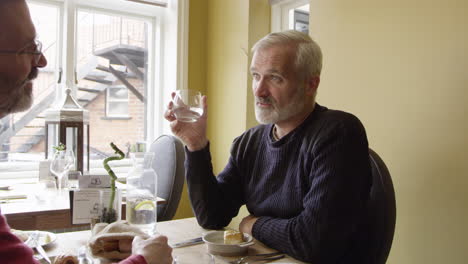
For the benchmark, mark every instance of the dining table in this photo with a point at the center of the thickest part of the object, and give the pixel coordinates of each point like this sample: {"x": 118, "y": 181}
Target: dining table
{"x": 176, "y": 231}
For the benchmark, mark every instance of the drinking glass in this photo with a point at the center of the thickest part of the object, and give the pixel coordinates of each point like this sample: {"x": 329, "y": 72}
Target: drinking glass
{"x": 187, "y": 105}
{"x": 61, "y": 163}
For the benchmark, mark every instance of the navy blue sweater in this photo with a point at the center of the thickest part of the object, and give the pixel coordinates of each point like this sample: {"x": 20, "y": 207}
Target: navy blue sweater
{"x": 310, "y": 188}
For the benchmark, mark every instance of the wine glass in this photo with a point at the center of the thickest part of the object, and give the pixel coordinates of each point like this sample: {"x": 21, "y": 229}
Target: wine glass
{"x": 187, "y": 105}
{"x": 61, "y": 163}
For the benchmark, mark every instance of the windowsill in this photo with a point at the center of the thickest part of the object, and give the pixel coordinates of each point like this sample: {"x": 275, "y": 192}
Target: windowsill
{"x": 115, "y": 118}
{"x": 21, "y": 171}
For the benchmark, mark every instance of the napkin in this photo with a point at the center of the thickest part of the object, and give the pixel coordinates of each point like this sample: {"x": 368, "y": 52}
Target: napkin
{"x": 113, "y": 241}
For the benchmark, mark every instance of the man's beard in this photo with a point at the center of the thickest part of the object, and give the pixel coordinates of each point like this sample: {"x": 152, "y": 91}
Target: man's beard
{"x": 275, "y": 114}
{"x": 19, "y": 97}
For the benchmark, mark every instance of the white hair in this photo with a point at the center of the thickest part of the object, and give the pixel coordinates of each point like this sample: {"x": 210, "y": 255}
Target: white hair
{"x": 308, "y": 61}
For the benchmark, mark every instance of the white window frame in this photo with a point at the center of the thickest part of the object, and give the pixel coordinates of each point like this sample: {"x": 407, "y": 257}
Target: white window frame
{"x": 280, "y": 12}
{"x": 115, "y": 100}
{"x": 167, "y": 65}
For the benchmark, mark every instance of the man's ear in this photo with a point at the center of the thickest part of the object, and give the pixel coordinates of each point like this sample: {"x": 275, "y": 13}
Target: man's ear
{"x": 312, "y": 85}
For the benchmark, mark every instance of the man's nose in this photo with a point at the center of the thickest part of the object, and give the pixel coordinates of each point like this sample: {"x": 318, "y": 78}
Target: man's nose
{"x": 261, "y": 89}
{"x": 42, "y": 62}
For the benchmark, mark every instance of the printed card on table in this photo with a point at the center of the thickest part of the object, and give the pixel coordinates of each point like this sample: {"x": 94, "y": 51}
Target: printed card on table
{"x": 85, "y": 205}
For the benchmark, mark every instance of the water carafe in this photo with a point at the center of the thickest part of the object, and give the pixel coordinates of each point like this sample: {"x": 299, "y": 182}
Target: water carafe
{"x": 141, "y": 198}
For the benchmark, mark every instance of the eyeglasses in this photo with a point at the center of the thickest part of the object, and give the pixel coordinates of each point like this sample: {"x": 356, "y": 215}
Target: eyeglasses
{"x": 34, "y": 48}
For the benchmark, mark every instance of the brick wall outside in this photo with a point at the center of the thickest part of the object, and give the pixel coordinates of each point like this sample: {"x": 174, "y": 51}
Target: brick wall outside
{"x": 103, "y": 131}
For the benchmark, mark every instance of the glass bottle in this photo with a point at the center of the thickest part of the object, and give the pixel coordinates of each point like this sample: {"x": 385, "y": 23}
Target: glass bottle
{"x": 141, "y": 208}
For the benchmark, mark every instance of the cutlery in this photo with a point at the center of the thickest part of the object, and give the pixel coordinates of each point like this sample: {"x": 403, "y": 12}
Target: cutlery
{"x": 34, "y": 242}
{"x": 264, "y": 259}
{"x": 41, "y": 251}
{"x": 189, "y": 242}
{"x": 211, "y": 261}
{"x": 256, "y": 256}
{"x": 28, "y": 241}
{"x": 13, "y": 197}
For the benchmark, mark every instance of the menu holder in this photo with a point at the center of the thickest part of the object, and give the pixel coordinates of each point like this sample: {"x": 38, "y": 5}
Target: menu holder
{"x": 84, "y": 205}
{"x": 94, "y": 181}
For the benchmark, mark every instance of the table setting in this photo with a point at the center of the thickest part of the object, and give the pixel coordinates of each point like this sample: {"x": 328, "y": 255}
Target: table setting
{"x": 188, "y": 239}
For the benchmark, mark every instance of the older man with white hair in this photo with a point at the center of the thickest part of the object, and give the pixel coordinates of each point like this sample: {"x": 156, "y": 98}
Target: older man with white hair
{"x": 20, "y": 57}
{"x": 304, "y": 173}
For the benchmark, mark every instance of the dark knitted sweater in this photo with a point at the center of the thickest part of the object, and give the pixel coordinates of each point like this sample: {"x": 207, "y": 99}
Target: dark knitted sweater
{"x": 310, "y": 188}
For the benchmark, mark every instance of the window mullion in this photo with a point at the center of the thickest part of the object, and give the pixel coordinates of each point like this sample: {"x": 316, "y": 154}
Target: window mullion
{"x": 69, "y": 53}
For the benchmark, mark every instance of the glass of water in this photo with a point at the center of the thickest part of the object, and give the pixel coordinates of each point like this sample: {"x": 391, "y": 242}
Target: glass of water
{"x": 187, "y": 105}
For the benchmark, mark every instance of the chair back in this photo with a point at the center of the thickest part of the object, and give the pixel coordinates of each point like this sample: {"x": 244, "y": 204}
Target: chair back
{"x": 169, "y": 156}
{"x": 382, "y": 208}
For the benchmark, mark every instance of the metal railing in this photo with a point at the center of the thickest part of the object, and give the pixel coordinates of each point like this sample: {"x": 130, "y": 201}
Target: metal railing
{"x": 118, "y": 31}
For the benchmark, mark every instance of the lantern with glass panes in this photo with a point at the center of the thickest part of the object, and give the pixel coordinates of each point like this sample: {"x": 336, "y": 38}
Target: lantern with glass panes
{"x": 69, "y": 125}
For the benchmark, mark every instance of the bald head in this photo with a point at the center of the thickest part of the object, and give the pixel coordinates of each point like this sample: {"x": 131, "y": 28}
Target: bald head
{"x": 13, "y": 15}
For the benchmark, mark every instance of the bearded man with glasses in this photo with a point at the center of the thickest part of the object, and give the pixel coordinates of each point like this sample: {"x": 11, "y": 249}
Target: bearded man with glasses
{"x": 20, "y": 58}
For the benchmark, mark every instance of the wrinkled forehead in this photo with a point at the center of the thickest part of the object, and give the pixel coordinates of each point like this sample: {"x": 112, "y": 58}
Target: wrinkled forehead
{"x": 16, "y": 27}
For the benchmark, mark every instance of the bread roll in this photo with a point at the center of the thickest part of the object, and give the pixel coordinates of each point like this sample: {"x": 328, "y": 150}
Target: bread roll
{"x": 66, "y": 259}
{"x": 232, "y": 237}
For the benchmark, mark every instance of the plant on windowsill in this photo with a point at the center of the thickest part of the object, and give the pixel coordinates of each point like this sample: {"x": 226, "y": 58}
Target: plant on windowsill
{"x": 109, "y": 213}
{"x": 60, "y": 147}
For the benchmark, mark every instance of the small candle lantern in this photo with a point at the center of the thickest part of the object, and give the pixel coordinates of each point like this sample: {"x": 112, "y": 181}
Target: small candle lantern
{"x": 69, "y": 125}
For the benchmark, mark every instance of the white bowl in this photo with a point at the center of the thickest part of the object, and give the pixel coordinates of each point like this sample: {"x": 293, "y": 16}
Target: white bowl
{"x": 215, "y": 244}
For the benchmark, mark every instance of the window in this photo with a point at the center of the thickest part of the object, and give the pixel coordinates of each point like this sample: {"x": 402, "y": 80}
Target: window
{"x": 112, "y": 54}
{"x": 117, "y": 102}
{"x": 112, "y": 67}
{"x": 290, "y": 14}
{"x": 299, "y": 19}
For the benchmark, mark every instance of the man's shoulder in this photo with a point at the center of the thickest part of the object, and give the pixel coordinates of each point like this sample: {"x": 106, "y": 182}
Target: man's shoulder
{"x": 333, "y": 117}
{"x": 337, "y": 123}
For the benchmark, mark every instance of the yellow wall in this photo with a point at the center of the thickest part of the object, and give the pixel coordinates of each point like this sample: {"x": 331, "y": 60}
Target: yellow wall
{"x": 402, "y": 67}
{"x": 227, "y": 75}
